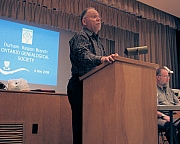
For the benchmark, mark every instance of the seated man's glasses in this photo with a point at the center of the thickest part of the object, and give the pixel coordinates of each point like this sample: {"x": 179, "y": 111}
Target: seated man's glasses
{"x": 164, "y": 76}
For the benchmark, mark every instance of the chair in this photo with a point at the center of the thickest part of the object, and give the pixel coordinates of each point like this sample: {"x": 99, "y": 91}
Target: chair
{"x": 161, "y": 132}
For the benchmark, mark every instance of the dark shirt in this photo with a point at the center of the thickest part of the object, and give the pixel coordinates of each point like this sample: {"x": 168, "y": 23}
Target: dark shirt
{"x": 86, "y": 51}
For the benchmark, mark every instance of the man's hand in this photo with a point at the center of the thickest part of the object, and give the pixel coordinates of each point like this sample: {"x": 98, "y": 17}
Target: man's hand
{"x": 167, "y": 118}
{"x": 109, "y": 58}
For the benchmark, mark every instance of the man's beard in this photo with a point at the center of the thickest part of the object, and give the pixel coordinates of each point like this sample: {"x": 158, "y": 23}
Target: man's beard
{"x": 165, "y": 85}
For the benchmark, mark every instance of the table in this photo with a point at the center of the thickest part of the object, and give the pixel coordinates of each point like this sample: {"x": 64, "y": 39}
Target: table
{"x": 170, "y": 108}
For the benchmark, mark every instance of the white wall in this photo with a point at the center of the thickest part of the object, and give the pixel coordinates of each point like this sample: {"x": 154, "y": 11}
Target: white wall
{"x": 169, "y": 6}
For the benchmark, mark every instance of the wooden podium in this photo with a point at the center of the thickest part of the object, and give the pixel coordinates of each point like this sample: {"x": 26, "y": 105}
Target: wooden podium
{"x": 119, "y": 103}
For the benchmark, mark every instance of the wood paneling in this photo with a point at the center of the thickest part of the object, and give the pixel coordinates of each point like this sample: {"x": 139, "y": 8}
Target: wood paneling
{"x": 51, "y": 112}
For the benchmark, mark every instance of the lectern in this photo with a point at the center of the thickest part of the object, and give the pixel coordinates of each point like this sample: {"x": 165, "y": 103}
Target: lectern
{"x": 119, "y": 103}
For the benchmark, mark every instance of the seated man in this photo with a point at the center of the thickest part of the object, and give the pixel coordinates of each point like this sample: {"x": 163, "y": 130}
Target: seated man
{"x": 166, "y": 96}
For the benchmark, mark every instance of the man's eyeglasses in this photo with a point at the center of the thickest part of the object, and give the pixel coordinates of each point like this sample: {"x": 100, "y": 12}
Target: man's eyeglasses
{"x": 164, "y": 76}
{"x": 94, "y": 17}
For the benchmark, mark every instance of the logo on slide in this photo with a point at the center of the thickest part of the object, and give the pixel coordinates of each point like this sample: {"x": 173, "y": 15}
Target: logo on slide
{"x": 6, "y": 65}
{"x": 6, "y": 69}
{"x": 27, "y": 36}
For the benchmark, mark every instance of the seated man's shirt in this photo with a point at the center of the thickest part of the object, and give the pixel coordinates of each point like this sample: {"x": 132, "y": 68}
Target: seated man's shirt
{"x": 166, "y": 96}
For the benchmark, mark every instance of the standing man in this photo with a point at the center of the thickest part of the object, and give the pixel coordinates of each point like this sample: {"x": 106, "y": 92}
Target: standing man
{"x": 86, "y": 52}
{"x": 166, "y": 96}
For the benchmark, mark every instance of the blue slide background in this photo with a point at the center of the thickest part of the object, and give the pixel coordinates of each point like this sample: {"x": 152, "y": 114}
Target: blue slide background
{"x": 40, "y": 70}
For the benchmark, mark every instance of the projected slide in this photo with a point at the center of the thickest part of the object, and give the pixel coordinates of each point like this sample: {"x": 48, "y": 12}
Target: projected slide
{"x": 28, "y": 52}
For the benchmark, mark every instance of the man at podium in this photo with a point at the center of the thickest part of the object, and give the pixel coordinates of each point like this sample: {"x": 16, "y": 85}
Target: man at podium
{"x": 86, "y": 52}
{"x": 166, "y": 96}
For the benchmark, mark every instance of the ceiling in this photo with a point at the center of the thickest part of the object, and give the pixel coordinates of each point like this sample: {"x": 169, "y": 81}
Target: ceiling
{"x": 169, "y": 6}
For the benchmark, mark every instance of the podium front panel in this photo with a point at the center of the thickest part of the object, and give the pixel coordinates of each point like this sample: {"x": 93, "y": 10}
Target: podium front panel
{"x": 119, "y": 105}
